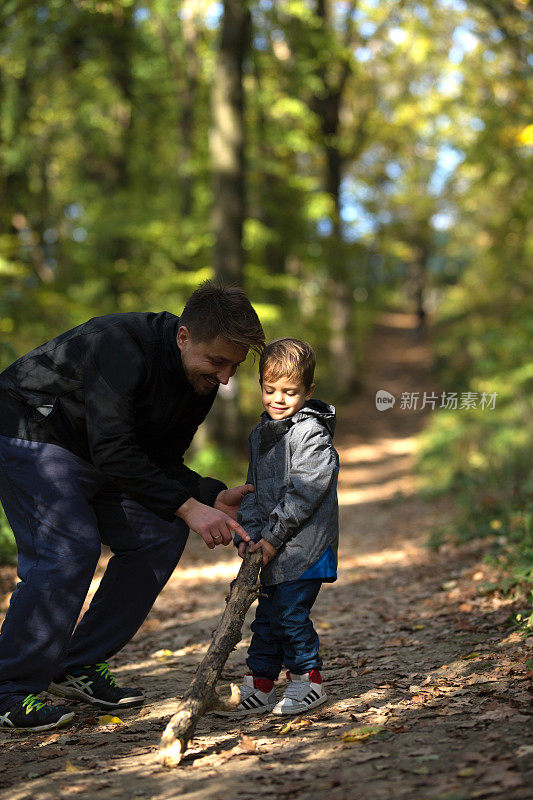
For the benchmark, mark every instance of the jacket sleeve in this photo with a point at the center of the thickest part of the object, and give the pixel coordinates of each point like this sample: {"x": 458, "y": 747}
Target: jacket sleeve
{"x": 314, "y": 465}
{"x": 249, "y": 516}
{"x": 115, "y": 369}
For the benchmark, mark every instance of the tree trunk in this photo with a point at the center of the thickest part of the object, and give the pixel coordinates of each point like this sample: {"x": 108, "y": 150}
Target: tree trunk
{"x": 340, "y": 300}
{"x": 227, "y": 143}
{"x": 227, "y": 158}
{"x": 201, "y": 695}
{"x": 416, "y": 287}
{"x": 189, "y": 99}
{"x": 185, "y": 68}
{"x": 327, "y": 106}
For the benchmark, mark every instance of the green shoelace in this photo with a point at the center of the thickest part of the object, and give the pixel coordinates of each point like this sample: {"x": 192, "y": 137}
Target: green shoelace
{"x": 103, "y": 668}
{"x": 32, "y": 702}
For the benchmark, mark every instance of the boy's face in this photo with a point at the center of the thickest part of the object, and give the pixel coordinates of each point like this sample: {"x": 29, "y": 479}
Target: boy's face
{"x": 285, "y": 396}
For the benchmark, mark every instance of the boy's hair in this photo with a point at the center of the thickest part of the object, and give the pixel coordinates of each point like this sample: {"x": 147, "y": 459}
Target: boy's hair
{"x": 288, "y": 357}
{"x": 225, "y": 311}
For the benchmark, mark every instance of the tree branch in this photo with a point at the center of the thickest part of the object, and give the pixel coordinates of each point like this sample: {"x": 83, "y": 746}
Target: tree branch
{"x": 201, "y": 695}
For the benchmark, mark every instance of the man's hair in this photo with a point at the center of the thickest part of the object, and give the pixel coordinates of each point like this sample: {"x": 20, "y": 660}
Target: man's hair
{"x": 225, "y": 311}
{"x": 288, "y": 358}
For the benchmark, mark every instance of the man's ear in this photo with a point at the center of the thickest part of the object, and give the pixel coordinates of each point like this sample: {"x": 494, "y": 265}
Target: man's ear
{"x": 309, "y": 393}
{"x": 183, "y": 336}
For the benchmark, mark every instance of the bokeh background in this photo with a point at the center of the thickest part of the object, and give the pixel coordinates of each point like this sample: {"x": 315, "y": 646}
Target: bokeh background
{"x": 335, "y": 159}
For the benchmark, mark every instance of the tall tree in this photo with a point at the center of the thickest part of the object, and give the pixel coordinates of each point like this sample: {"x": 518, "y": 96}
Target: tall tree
{"x": 227, "y": 141}
{"x": 228, "y": 180}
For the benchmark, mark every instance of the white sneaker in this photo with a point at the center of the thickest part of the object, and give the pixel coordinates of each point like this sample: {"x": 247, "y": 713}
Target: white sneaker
{"x": 301, "y": 693}
{"x": 253, "y": 699}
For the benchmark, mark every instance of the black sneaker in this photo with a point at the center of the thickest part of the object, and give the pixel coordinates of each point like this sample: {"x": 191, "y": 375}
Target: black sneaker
{"x": 31, "y": 714}
{"x": 96, "y": 685}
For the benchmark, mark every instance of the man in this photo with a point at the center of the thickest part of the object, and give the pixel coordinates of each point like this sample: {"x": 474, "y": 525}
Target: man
{"x": 93, "y": 428}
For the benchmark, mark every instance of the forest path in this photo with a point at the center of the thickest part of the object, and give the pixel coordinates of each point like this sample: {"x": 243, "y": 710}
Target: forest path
{"x": 414, "y": 651}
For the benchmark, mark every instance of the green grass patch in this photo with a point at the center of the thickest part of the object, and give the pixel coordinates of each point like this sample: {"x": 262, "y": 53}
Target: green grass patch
{"x": 483, "y": 456}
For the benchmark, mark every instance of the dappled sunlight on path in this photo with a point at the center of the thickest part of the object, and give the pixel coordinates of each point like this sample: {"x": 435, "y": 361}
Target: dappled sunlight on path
{"x": 427, "y": 688}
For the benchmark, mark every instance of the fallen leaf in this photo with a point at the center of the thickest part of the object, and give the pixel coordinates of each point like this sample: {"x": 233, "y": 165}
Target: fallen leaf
{"x": 421, "y": 770}
{"x": 54, "y": 752}
{"x": 360, "y": 734}
{"x": 247, "y": 744}
{"x": 447, "y": 585}
{"x": 109, "y": 719}
{"x": 162, "y": 655}
{"x": 291, "y": 726}
{"x": 498, "y": 713}
{"x": 364, "y": 756}
{"x": 70, "y": 767}
{"x": 466, "y": 772}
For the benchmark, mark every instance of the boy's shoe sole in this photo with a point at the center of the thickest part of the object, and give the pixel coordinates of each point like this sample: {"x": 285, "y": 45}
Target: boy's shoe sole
{"x": 245, "y": 712}
{"x": 253, "y": 699}
{"x": 78, "y": 694}
{"x": 286, "y": 711}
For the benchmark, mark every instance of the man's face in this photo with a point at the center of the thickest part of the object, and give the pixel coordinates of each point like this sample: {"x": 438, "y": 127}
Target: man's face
{"x": 284, "y": 397}
{"x": 207, "y": 364}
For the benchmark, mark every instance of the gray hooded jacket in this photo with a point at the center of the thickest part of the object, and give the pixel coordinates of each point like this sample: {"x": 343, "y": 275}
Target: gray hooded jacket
{"x": 294, "y": 468}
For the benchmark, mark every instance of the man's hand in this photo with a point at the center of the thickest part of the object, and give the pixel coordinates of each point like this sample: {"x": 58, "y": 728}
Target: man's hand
{"x": 212, "y": 524}
{"x": 269, "y": 551}
{"x": 229, "y": 500}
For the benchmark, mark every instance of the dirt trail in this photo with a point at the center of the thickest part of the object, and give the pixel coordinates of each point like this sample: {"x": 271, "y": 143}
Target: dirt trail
{"x": 414, "y": 653}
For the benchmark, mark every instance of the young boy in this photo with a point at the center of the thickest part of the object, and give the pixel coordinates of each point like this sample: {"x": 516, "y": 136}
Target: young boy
{"x": 293, "y": 518}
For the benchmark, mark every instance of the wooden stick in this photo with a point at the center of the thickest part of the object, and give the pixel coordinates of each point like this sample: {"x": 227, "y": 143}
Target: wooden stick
{"x": 201, "y": 695}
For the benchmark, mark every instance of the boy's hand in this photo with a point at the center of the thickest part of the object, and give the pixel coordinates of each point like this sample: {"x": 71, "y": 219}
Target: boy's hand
{"x": 229, "y": 500}
{"x": 241, "y": 549}
{"x": 269, "y": 551}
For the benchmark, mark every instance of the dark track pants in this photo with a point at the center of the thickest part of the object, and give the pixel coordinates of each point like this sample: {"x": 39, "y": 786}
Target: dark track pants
{"x": 61, "y": 509}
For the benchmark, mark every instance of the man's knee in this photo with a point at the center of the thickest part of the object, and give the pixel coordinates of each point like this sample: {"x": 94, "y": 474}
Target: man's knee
{"x": 157, "y": 556}
{"x": 173, "y": 546}
{"x": 78, "y": 564}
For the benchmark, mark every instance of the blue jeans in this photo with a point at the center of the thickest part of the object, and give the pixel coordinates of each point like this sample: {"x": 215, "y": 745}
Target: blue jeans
{"x": 61, "y": 509}
{"x": 282, "y": 630}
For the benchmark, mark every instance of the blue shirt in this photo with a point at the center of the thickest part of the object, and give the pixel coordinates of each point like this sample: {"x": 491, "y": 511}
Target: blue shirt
{"x": 324, "y": 567}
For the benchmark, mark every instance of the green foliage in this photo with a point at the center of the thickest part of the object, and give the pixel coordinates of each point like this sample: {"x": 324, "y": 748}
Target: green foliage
{"x": 483, "y": 457}
{"x": 8, "y": 548}
{"x": 106, "y": 193}
{"x": 483, "y": 331}
{"x": 224, "y": 463}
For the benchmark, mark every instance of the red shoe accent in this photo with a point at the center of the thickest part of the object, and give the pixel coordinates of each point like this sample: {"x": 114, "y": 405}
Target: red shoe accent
{"x": 263, "y": 684}
{"x": 314, "y": 676}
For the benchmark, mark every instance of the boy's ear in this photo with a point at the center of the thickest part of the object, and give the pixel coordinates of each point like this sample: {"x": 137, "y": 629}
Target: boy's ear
{"x": 309, "y": 393}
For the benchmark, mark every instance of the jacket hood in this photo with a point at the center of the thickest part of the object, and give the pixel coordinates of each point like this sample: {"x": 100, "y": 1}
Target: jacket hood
{"x": 323, "y": 412}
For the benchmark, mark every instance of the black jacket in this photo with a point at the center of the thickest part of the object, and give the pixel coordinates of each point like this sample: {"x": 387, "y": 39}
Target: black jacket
{"x": 120, "y": 400}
